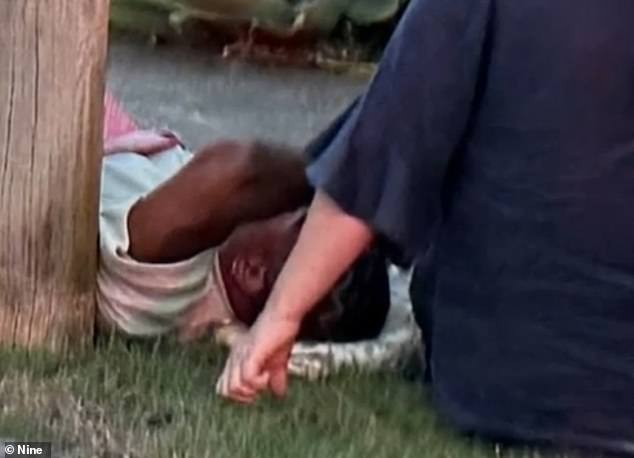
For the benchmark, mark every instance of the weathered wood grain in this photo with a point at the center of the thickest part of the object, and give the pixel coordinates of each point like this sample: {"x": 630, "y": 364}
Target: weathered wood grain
{"x": 52, "y": 70}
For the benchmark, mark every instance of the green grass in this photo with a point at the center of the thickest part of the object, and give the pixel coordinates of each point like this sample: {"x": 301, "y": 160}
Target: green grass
{"x": 157, "y": 400}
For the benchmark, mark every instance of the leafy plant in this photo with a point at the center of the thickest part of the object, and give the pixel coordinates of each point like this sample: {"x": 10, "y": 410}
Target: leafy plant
{"x": 282, "y": 16}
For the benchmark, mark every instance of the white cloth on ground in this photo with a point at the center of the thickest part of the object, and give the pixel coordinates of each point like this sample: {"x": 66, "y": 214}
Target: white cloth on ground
{"x": 148, "y": 299}
{"x": 399, "y": 340}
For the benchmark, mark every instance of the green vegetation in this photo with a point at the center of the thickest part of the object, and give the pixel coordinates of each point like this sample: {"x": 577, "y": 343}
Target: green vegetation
{"x": 282, "y": 16}
{"x": 157, "y": 400}
{"x": 341, "y": 30}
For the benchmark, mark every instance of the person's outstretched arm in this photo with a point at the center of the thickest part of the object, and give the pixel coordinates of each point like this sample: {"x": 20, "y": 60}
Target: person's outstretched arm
{"x": 384, "y": 162}
{"x": 144, "y": 142}
{"x": 329, "y": 243}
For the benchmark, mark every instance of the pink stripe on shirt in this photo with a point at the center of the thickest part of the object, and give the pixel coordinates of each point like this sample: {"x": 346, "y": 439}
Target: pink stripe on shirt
{"x": 116, "y": 120}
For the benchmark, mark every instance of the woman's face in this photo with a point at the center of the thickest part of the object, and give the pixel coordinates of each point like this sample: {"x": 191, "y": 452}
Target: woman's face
{"x": 252, "y": 258}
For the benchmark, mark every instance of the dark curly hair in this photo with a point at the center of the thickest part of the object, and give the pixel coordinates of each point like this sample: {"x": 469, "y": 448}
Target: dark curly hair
{"x": 356, "y": 308}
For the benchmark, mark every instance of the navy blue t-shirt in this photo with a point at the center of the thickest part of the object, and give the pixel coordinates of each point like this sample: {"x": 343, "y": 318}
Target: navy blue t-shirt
{"x": 501, "y": 134}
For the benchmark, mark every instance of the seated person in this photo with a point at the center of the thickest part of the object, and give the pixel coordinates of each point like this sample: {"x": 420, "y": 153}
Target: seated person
{"x": 193, "y": 242}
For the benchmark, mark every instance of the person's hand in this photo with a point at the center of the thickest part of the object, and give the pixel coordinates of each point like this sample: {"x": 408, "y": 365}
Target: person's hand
{"x": 258, "y": 361}
{"x": 145, "y": 142}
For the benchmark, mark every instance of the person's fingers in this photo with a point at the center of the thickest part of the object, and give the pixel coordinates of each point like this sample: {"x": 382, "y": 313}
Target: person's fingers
{"x": 237, "y": 392}
{"x": 164, "y": 143}
{"x": 166, "y": 132}
{"x": 279, "y": 381}
{"x": 232, "y": 384}
{"x": 257, "y": 363}
{"x": 220, "y": 385}
{"x": 243, "y": 400}
{"x": 254, "y": 374}
{"x": 171, "y": 134}
{"x": 151, "y": 142}
{"x": 222, "y": 391}
{"x": 238, "y": 386}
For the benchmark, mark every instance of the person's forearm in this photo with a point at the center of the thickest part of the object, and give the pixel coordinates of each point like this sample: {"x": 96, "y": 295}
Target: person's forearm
{"x": 110, "y": 148}
{"x": 329, "y": 243}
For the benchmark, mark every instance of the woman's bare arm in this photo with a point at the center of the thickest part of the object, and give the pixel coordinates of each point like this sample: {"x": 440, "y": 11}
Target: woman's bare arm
{"x": 330, "y": 242}
{"x": 144, "y": 142}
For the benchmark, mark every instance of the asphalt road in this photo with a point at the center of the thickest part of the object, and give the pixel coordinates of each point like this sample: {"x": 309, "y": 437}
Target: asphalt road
{"x": 205, "y": 98}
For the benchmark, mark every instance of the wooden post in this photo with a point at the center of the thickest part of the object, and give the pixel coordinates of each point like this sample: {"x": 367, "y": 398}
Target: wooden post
{"x": 52, "y": 70}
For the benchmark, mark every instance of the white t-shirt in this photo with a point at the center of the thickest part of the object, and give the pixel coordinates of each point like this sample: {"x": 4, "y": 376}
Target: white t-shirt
{"x": 144, "y": 299}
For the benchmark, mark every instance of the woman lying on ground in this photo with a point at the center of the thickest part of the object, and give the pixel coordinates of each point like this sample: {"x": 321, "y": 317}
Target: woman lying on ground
{"x": 193, "y": 242}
